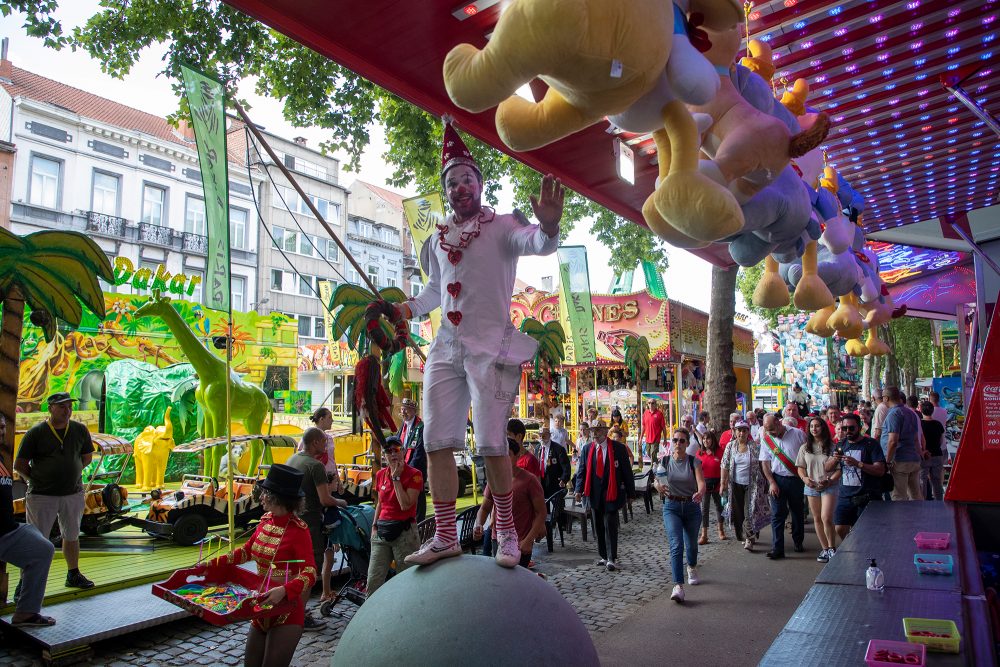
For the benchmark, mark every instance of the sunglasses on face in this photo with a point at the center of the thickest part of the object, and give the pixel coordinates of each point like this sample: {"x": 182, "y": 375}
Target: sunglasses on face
{"x": 849, "y": 427}
{"x": 679, "y": 440}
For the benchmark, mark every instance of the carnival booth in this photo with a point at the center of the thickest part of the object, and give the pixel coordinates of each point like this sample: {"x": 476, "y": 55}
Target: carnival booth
{"x": 678, "y": 341}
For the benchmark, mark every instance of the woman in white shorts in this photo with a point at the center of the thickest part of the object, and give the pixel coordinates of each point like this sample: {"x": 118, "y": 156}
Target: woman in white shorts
{"x": 821, "y": 487}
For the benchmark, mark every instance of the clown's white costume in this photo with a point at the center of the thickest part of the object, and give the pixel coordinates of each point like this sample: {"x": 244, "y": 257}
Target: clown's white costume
{"x": 477, "y": 353}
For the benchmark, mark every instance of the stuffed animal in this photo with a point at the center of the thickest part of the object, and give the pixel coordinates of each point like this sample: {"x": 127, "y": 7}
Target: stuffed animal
{"x": 748, "y": 148}
{"x": 150, "y": 450}
{"x": 599, "y": 58}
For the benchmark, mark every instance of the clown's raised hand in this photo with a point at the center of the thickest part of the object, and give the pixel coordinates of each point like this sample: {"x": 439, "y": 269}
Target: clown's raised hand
{"x": 548, "y": 206}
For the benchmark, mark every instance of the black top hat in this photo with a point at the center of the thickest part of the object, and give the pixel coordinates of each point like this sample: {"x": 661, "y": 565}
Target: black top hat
{"x": 284, "y": 480}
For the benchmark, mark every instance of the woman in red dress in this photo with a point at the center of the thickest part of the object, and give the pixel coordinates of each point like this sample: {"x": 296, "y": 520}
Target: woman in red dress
{"x": 282, "y": 545}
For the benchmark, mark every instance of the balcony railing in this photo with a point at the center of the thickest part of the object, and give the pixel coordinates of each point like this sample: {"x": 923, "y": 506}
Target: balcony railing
{"x": 155, "y": 234}
{"x": 195, "y": 243}
{"x": 106, "y": 225}
{"x": 409, "y": 261}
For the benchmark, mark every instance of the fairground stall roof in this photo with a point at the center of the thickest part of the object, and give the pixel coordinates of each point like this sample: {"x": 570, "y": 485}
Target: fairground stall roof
{"x": 903, "y": 140}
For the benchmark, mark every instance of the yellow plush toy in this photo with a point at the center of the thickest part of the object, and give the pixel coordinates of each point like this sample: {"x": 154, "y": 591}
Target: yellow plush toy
{"x": 151, "y": 449}
{"x": 598, "y": 57}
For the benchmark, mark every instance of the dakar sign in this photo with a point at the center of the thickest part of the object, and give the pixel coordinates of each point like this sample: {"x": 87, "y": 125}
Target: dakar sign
{"x": 147, "y": 279}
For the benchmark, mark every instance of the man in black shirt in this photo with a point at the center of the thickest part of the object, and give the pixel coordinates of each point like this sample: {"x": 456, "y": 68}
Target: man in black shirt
{"x": 23, "y": 546}
{"x": 862, "y": 465}
{"x": 52, "y": 457}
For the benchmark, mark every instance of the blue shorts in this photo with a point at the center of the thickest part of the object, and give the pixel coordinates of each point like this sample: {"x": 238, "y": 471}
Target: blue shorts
{"x": 847, "y": 512}
{"x": 829, "y": 491}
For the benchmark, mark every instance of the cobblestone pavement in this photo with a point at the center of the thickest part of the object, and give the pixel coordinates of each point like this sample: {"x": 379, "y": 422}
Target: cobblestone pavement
{"x": 601, "y": 598}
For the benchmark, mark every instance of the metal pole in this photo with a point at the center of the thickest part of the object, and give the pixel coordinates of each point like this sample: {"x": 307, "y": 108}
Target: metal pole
{"x": 231, "y": 504}
{"x": 975, "y": 248}
{"x": 312, "y": 207}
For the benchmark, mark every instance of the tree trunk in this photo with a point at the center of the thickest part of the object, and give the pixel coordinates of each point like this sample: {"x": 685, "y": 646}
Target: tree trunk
{"x": 892, "y": 378}
{"x": 10, "y": 369}
{"x": 866, "y": 376}
{"x": 720, "y": 383}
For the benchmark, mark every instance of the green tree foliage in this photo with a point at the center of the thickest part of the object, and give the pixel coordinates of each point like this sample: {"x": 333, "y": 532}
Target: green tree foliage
{"x": 746, "y": 283}
{"x": 911, "y": 346}
{"x": 315, "y": 92}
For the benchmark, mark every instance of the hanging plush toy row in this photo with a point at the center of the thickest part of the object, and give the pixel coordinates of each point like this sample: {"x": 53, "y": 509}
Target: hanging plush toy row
{"x": 735, "y": 164}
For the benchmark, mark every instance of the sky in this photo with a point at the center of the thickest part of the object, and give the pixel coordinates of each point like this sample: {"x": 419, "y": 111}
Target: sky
{"x": 687, "y": 280}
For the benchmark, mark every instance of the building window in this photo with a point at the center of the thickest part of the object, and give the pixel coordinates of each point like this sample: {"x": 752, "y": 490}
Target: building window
{"x": 319, "y": 327}
{"x": 353, "y": 276}
{"x": 390, "y": 278}
{"x": 194, "y": 215}
{"x": 154, "y": 204}
{"x": 415, "y": 287}
{"x": 277, "y": 280}
{"x": 44, "y": 183}
{"x": 238, "y": 228}
{"x": 196, "y": 295}
{"x": 415, "y": 328}
{"x": 305, "y": 326}
{"x": 239, "y": 290}
{"x": 373, "y": 274}
{"x": 332, "y": 251}
{"x": 306, "y": 285}
{"x": 104, "y": 197}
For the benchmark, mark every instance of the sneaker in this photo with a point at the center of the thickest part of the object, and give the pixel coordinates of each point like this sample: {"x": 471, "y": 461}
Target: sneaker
{"x": 775, "y": 555}
{"x": 432, "y": 551}
{"x": 831, "y": 552}
{"x": 612, "y": 566}
{"x": 824, "y": 556}
{"x": 748, "y": 544}
{"x": 313, "y": 624}
{"x": 798, "y": 548}
{"x": 601, "y": 563}
{"x": 677, "y": 595}
{"x": 693, "y": 575}
{"x": 77, "y": 580}
{"x": 508, "y": 550}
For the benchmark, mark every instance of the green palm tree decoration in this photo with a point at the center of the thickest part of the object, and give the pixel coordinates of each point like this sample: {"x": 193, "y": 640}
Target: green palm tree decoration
{"x": 56, "y": 274}
{"x": 637, "y": 361}
{"x": 348, "y": 304}
{"x": 551, "y": 342}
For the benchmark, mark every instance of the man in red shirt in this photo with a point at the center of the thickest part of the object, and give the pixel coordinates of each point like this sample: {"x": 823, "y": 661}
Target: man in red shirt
{"x": 528, "y": 508}
{"x": 727, "y": 435}
{"x": 653, "y": 427}
{"x": 394, "y": 535}
{"x": 792, "y": 410}
{"x": 526, "y": 460}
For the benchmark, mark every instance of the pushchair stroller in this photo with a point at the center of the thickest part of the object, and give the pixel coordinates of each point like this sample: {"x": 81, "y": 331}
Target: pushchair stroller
{"x": 353, "y": 534}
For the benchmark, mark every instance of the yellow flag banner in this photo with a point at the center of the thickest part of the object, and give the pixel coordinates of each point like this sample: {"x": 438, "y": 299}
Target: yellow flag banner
{"x": 326, "y": 296}
{"x": 423, "y": 214}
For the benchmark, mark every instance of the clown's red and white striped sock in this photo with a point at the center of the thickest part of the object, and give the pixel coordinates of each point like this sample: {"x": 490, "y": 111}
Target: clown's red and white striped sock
{"x": 504, "y": 511}
{"x": 444, "y": 522}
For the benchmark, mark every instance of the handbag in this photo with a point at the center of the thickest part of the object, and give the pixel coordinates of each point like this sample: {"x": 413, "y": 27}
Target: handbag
{"x": 390, "y": 529}
{"x": 887, "y": 483}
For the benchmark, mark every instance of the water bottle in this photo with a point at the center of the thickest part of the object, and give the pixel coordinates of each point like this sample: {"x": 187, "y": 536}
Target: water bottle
{"x": 874, "y": 579}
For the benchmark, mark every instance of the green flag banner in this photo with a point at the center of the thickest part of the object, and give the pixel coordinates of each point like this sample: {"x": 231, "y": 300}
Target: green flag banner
{"x": 206, "y": 99}
{"x": 654, "y": 281}
{"x": 574, "y": 286}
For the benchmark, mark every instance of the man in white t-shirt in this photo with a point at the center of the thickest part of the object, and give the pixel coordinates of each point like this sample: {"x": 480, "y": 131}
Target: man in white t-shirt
{"x": 940, "y": 413}
{"x": 878, "y": 419}
{"x": 778, "y": 448}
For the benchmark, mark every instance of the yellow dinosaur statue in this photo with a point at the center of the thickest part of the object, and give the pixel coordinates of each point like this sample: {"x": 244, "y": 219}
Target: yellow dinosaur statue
{"x": 151, "y": 449}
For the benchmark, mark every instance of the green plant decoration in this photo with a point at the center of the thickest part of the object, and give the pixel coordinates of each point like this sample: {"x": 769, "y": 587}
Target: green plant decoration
{"x": 348, "y": 304}
{"x": 551, "y": 342}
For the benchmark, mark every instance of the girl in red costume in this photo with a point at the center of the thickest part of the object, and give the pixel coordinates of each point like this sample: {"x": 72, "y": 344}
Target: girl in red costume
{"x": 280, "y": 543}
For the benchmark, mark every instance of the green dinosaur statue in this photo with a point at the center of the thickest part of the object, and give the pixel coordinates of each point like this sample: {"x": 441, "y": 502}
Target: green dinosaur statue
{"x": 249, "y": 404}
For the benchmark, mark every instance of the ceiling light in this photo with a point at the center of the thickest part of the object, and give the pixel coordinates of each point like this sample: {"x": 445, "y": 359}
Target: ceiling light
{"x": 470, "y": 9}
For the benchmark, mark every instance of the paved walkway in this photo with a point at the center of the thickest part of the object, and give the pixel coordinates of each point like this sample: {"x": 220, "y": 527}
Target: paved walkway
{"x": 731, "y": 618}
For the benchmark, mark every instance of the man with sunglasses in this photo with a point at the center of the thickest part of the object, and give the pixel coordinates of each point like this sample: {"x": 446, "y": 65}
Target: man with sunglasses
{"x": 862, "y": 463}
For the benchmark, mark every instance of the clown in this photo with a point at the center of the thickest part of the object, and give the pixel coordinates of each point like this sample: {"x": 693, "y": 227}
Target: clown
{"x": 477, "y": 354}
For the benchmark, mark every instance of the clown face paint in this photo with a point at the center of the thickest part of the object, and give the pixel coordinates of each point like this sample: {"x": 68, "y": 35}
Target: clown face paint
{"x": 464, "y": 191}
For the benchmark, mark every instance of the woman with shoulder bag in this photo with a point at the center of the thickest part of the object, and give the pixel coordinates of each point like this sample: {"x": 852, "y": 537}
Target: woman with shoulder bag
{"x": 681, "y": 485}
{"x": 395, "y": 535}
{"x": 744, "y": 484}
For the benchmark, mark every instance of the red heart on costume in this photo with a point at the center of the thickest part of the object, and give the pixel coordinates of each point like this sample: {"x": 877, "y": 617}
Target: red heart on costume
{"x": 454, "y": 289}
{"x": 454, "y": 256}
{"x": 455, "y": 316}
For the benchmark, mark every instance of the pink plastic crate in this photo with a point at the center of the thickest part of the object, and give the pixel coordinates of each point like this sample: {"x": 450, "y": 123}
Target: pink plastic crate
{"x": 908, "y": 654}
{"x": 932, "y": 540}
